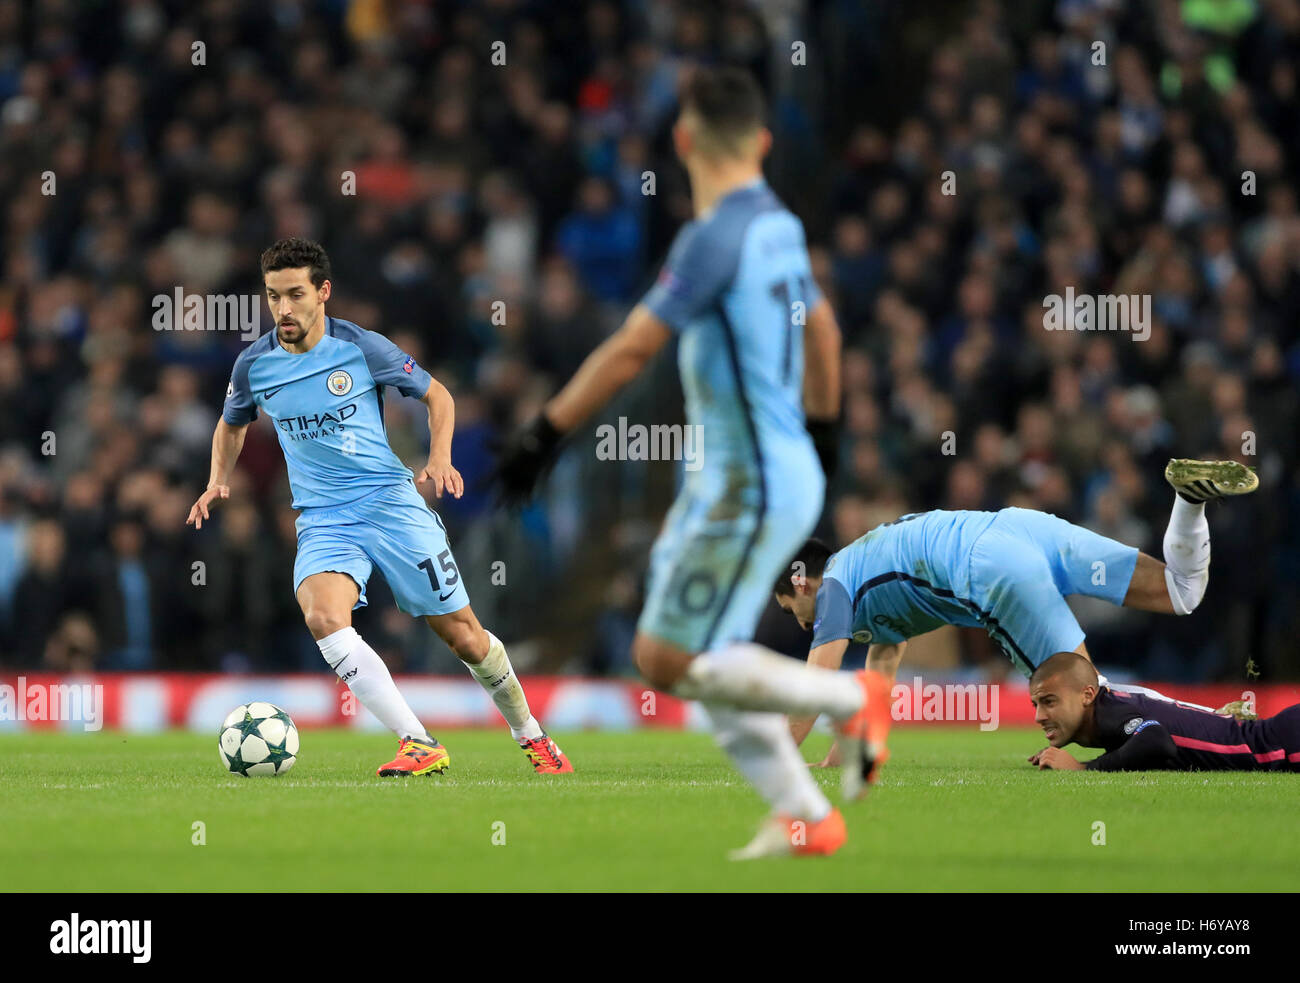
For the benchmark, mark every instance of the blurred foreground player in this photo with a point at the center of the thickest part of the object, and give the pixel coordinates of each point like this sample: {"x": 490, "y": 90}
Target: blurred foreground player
{"x": 1139, "y": 733}
{"x": 321, "y": 381}
{"x": 738, "y": 291}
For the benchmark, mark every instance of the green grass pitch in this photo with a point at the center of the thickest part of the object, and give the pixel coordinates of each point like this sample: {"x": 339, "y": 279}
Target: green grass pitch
{"x": 958, "y": 810}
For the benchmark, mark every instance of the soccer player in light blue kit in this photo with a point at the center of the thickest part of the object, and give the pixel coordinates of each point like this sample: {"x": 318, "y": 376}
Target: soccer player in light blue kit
{"x": 757, "y": 343}
{"x": 1008, "y": 572}
{"x": 321, "y": 381}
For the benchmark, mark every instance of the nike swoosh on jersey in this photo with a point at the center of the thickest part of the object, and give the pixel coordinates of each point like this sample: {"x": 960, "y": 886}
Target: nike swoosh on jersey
{"x": 270, "y": 392}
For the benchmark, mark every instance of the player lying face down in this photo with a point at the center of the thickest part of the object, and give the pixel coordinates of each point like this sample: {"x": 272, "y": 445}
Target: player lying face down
{"x": 1064, "y": 691}
{"x": 1142, "y": 733}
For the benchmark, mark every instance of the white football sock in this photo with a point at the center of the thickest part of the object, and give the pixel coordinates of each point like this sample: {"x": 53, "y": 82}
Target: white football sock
{"x": 496, "y": 675}
{"x": 358, "y": 665}
{"x": 1187, "y": 555}
{"x": 750, "y": 677}
{"x": 762, "y": 749}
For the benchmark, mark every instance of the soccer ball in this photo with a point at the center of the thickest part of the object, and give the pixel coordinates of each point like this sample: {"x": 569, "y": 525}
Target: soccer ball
{"x": 258, "y": 739}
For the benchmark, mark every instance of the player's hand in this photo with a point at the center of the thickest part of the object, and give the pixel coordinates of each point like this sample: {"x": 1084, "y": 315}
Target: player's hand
{"x": 826, "y": 440}
{"x": 199, "y": 510}
{"x": 1033, "y": 758}
{"x": 832, "y": 759}
{"x": 523, "y": 461}
{"x": 1055, "y": 759}
{"x": 444, "y": 478}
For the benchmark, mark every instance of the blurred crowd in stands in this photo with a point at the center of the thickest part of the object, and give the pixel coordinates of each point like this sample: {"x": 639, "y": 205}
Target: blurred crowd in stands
{"x": 478, "y": 173}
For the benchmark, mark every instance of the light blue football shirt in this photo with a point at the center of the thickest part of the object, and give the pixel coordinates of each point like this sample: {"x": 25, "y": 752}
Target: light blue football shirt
{"x": 328, "y": 408}
{"x": 902, "y": 579}
{"x": 737, "y": 287}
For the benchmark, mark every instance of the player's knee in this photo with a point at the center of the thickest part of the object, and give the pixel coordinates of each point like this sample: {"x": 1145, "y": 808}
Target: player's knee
{"x": 469, "y": 644}
{"x": 466, "y": 638}
{"x": 323, "y": 621}
{"x": 659, "y": 667}
{"x": 645, "y": 664}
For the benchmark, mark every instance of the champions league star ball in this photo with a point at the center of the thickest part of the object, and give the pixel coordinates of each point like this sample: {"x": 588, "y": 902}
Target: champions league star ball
{"x": 258, "y": 739}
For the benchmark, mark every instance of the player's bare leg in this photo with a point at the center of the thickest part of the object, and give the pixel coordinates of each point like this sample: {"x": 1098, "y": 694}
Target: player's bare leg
{"x": 1148, "y": 590}
{"x": 661, "y": 663}
{"x": 326, "y": 600}
{"x": 486, "y": 659}
{"x": 883, "y": 659}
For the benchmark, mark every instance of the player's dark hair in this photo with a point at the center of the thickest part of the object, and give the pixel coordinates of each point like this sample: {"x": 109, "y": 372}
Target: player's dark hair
{"x": 294, "y": 253}
{"x": 727, "y": 100}
{"x": 810, "y": 561}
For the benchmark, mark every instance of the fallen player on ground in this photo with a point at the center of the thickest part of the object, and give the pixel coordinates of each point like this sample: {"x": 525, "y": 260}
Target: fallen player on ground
{"x": 1008, "y": 572}
{"x": 1143, "y": 733}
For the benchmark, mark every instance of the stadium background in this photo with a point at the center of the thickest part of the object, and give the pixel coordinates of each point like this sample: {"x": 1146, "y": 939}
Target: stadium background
{"x": 522, "y": 183}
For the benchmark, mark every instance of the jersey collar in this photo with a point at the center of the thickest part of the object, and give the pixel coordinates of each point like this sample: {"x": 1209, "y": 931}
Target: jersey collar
{"x": 754, "y": 185}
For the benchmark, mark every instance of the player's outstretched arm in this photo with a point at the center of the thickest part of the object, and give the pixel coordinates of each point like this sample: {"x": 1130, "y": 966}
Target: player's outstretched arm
{"x": 821, "y": 378}
{"x": 227, "y": 442}
{"x": 828, "y": 656}
{"x": 1150, "y": 748}
{"x": 615, "y": 362}
{"x": 821, "y": 383}
{"x": 442, "y": 423}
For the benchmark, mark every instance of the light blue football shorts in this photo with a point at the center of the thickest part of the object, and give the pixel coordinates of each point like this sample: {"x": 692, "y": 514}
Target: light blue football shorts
{"x": 716, "y": 561}
{"x": 1021, "y": 570}
{"x": 392, "y": 529}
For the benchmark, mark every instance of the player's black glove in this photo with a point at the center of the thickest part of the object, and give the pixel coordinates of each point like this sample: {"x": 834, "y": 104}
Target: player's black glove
{"x": 525, "y": 459}
{"x": 826, "y": 439}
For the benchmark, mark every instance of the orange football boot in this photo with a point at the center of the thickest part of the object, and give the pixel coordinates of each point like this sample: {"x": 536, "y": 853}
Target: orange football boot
{"x": 416, "y": 758}
{"x": 781, "y": 836}
{"x": 546, "y": 756}
{"x": 864, "y": 749}
{"x": 819, "y": 839}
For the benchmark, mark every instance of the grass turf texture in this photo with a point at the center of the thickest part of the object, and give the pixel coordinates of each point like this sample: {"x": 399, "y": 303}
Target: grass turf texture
{"x": 958, "y": 810}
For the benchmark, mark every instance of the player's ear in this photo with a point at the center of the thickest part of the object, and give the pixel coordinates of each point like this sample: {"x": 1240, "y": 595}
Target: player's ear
{"x": 325, "y": 289}
{"x": 764, "y": 142}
